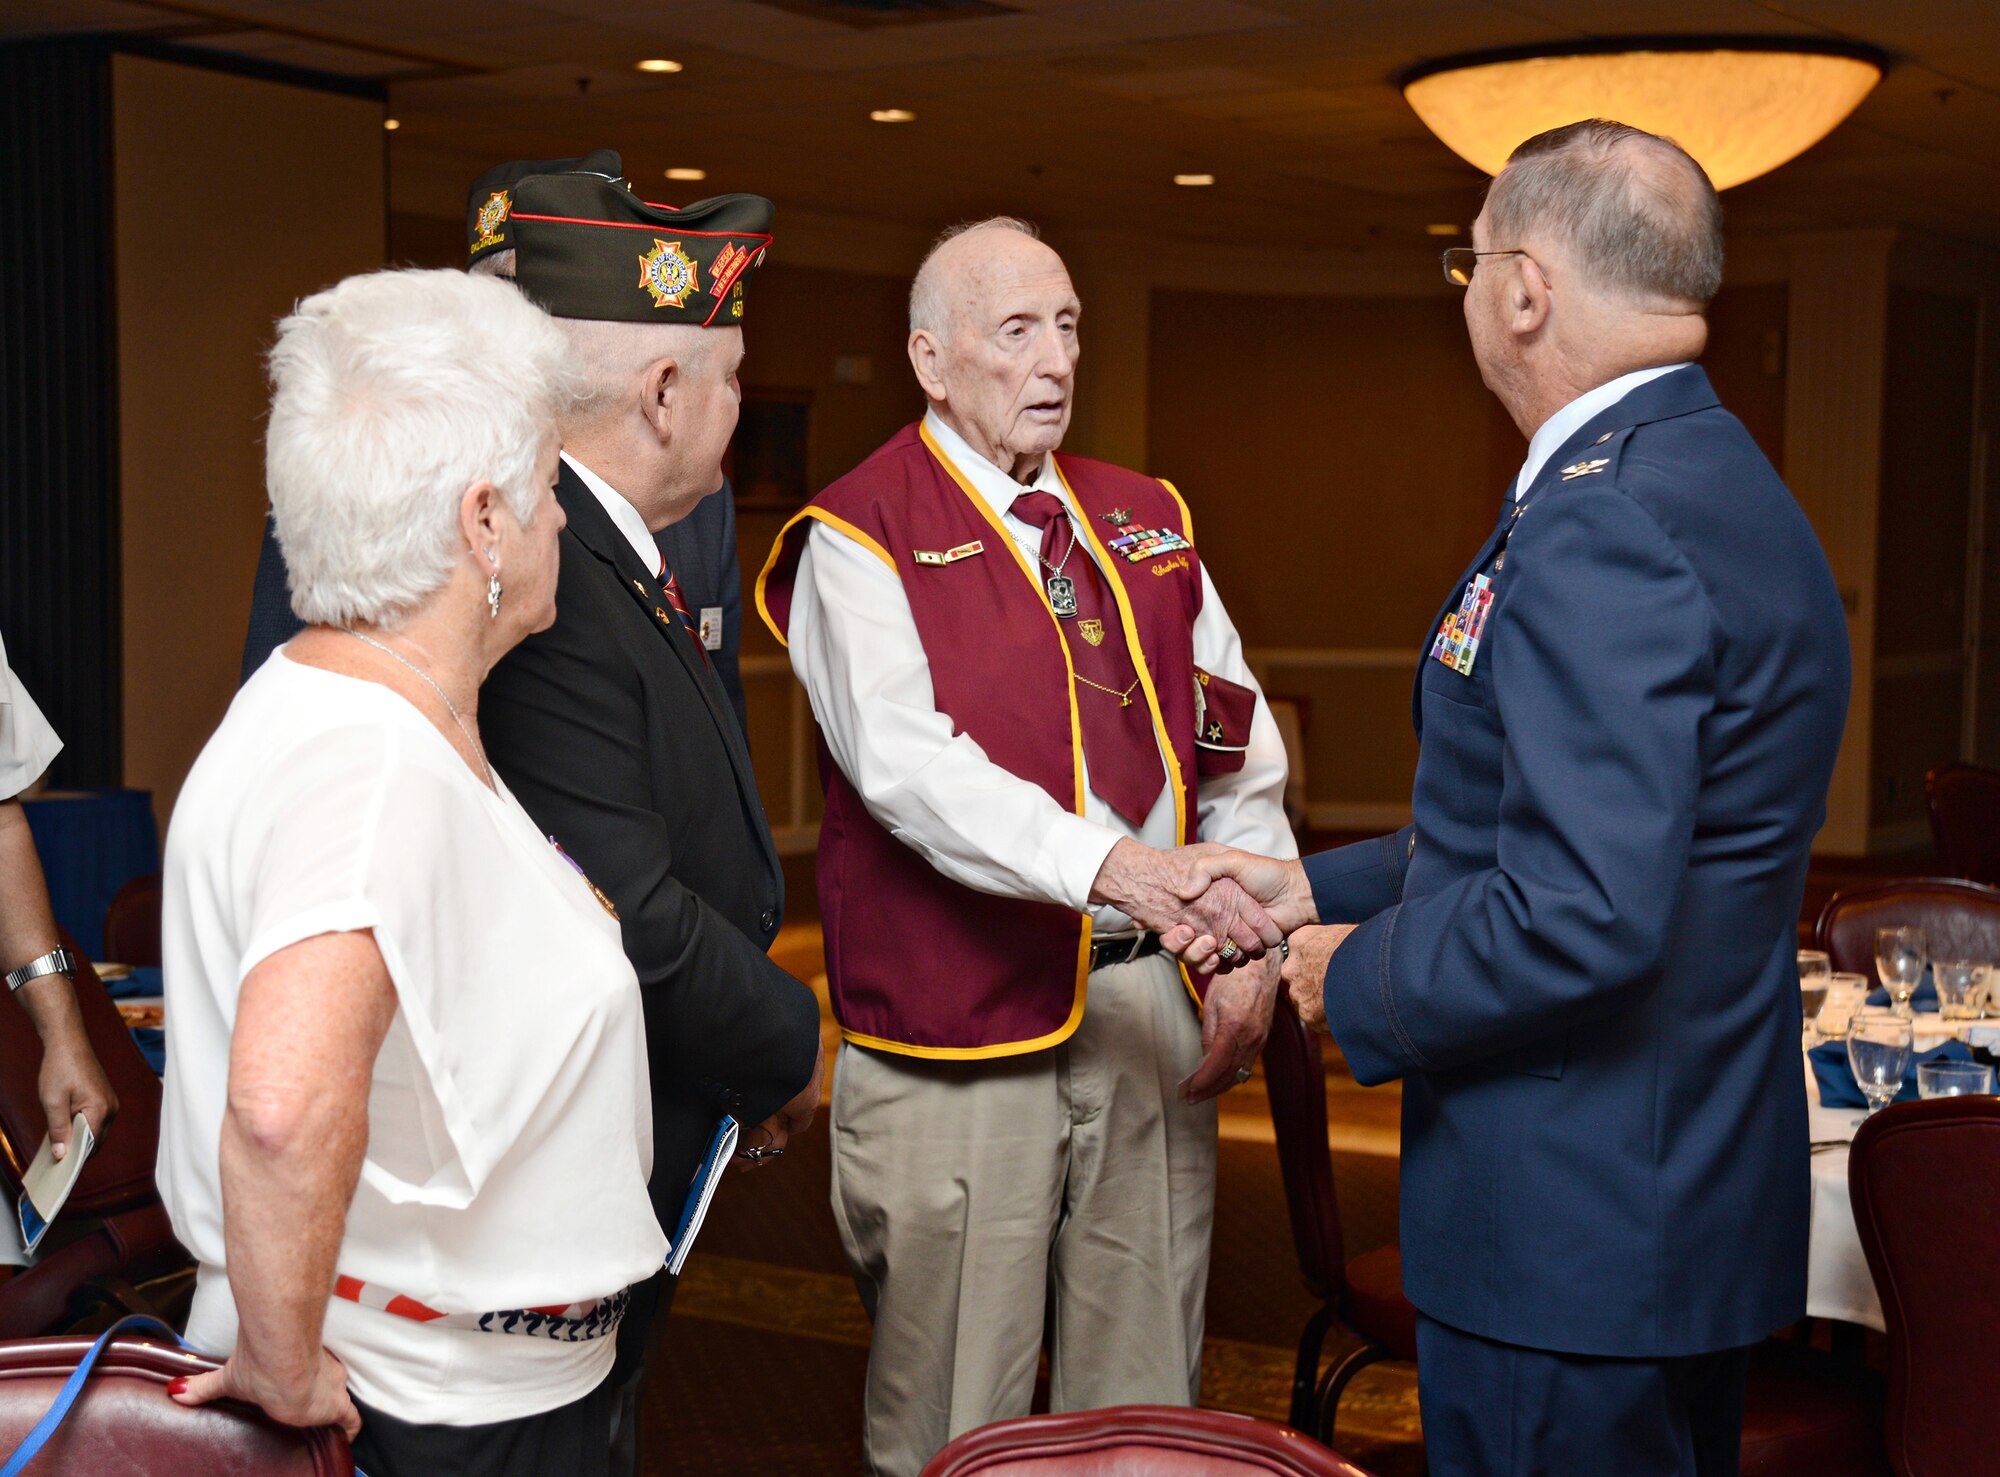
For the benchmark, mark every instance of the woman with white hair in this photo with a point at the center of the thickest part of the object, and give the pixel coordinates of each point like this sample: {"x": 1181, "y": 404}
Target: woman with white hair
{"x": 407, "y": 1129}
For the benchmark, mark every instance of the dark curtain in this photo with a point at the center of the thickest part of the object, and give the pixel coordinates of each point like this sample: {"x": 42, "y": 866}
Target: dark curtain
{"x": 59, "y": 606}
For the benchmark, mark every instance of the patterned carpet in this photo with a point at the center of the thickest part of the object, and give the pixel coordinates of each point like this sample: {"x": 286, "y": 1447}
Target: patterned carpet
{"x": 760, "y": 1368}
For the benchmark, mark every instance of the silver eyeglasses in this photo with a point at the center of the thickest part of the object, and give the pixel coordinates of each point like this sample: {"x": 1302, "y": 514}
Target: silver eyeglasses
{"x": 1459, "y": 262}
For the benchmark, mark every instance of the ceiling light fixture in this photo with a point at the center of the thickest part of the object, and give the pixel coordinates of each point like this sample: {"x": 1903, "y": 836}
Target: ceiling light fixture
{"x": 1740, "y": 105}
{"x": 1194, "y": 179}
{"x": 1440, "y": 230}
{"x": 392, "y": 124}
{"x": 892, "y": 115}
{"x": 658, "y": 64}
{"x": 683, "y": 172}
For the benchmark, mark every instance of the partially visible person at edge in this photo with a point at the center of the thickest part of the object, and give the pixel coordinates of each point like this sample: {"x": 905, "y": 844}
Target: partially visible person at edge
{"x": 1579, "y": 959}
{"x": 40, "y": 971}
{"x": 407, "y": 1061}
{"x": 613, "y": 725}
{"x": 701, "y": 547}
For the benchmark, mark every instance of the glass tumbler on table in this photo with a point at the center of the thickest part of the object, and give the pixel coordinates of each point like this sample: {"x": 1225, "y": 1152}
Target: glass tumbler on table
{"x": 1845, "y": 994}
{"x": 1879, "y": 1046}
{"x": 1954, "y": 1079}
{"x": 1900, "y": 956}
{"x": 1960, "y": 986}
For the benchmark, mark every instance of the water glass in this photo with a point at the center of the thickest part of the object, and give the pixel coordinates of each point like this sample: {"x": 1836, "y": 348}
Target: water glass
{"x": 1845, "y": 994}
{"x": 1960, "y": 986}
{"x": 1880, "y": 1044}
{"x": 1954, "y": 1079}
{"x": 1814, "y": 963}
{"x": 1900, "y": 956}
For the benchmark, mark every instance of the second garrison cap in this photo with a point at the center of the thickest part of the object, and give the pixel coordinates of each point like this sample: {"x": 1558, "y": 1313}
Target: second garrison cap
{"x": 489, "y": 204}
{"x": 588, "y": 248}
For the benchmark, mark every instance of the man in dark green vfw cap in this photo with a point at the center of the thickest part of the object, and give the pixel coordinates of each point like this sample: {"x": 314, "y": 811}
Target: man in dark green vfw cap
{"x": 611, "y": 726}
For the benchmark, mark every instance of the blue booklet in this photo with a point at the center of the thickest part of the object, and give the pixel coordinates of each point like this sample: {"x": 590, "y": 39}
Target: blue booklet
{"x": 720, "y": 1150}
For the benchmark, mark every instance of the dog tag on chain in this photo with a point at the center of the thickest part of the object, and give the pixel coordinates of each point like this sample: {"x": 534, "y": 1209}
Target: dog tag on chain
{"x": 1062, "y": 595}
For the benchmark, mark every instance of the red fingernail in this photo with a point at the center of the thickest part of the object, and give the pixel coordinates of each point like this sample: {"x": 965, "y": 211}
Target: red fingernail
{"x": 177, "y": 1386}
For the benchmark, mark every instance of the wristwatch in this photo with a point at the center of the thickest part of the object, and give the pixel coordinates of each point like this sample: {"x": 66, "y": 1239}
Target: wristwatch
{"x": 57, "y": 961}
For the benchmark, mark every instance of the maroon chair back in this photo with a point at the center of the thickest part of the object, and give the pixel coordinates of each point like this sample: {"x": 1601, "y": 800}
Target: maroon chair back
{"x": 119, "y": 1176}
{"x": 1137, "y": 1441}
{"x": 1961, "y": 918}
{"x": 1925, "y": 1181}
{"x": 1964, "y": 802}
{"x": 132, "y": 922}
{"x": 1295, "y": 1077}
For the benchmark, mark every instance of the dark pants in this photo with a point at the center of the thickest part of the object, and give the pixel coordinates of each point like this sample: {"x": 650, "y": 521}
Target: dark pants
{"x": 572, "y": 1440}
{"x": 1498, "y": 1410}
{"x": 636, "y": 1335}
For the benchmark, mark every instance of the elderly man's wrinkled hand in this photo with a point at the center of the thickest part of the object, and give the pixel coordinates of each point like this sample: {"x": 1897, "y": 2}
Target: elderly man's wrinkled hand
{"x": 1165, "y": 891}
{"x": 1310, "y": 951}
{"x": 1235, "y": 1019}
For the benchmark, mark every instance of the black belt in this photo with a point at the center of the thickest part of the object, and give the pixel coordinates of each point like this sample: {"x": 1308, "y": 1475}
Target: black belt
{"x": 1124, "y": 951}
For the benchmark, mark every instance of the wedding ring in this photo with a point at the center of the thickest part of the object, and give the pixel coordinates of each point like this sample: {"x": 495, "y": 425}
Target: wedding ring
{"x": 1228, "y": 951}
{"x": 1242, "y": 1075}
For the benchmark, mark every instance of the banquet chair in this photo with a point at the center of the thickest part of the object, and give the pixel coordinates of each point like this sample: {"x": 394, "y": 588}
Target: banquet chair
{"x": 1130, "y": 1440}
{"x": 1924, "y": 1178}
{"x": 1964, "y": 804}
{"x": 129, "y": 1259}
{"x": 1963, "y": 913}
{"x": 1362, "y": 1299}
{"x": 132, "y": 922}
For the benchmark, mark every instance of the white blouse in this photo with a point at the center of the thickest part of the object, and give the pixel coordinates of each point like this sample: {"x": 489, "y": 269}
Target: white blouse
{"x": 509, "y": 1119}
{"x": 27, "y": 744}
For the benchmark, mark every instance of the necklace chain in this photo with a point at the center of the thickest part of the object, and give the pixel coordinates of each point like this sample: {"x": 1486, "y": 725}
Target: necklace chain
{"x": 431, "y": 683}
{"x": 1124, "y": 698}
{"x": 1057, "y": 567}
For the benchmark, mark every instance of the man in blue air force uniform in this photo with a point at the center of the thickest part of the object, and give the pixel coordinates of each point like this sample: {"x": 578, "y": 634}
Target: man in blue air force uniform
{"x": 1579, "y": 959}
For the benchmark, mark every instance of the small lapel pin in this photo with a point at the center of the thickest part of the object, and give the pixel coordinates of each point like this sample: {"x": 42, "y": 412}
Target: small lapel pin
{"x": 1117, "y": 517}
{"x": 1584, "y": 469}
{"x": 948, "y": 556}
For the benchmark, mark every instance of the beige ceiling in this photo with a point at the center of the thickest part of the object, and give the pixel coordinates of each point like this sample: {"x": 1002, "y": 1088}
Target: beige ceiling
{"x": 1077, "y": 112}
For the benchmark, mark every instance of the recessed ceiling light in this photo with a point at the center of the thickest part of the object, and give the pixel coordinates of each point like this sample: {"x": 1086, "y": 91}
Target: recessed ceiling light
{"x": 893, "y": 115}
{"x": 682, "y": 172}
{"x": 392, "y": 124}
{"x": 658, "y": 64}
{"x": 1194, "y": 179}
{"x": 1440, "y": 230}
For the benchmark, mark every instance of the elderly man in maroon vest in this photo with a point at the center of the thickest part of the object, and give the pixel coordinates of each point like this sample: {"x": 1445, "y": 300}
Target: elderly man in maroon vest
{"x": 1028, "y": 695}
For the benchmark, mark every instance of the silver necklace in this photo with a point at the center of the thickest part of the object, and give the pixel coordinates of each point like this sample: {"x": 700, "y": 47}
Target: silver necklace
{"x": 1062, "y": 589}
{"x": 432, "y": 685}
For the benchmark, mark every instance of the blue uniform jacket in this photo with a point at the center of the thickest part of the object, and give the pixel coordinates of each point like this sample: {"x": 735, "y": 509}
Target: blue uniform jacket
{"x": 1580, "y": 958}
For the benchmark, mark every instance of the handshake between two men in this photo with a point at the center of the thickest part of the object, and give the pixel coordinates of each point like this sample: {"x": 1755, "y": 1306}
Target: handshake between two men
{"x": 1248, "y": 919}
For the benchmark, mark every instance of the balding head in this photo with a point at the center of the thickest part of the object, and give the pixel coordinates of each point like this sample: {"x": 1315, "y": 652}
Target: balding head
{"x": 1629, "y": 210}
{"x": 993, "y": 340}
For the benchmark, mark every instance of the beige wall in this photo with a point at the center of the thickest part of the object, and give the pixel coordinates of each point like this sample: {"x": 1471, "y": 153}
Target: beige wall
{"x": 234, "y": 197}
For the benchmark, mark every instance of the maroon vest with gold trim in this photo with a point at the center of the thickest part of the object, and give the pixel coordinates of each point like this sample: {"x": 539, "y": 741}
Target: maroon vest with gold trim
{"x": 918, "y": 963}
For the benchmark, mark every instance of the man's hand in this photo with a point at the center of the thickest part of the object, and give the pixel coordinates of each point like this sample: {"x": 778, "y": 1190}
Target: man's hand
{"x": 1165, "y": 890}
{"x": 1305, "y": 969}
{"x": 318, "y": 1398}
{"x": 1234, "y": 1022}
{"x": 71, "y": 1081}
{"x": 795, "y": 1117}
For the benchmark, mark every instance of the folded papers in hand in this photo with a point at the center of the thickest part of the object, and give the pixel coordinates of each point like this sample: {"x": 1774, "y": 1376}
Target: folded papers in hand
{"x": 1838, "y": 1089}
{"x": 49, "y": 1180}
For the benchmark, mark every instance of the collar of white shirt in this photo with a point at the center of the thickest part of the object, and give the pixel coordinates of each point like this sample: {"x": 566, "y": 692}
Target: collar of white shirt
{"x": 624, "y": 515}
{"x": 989, "y": 481}
{"x": 1565, "y": 423}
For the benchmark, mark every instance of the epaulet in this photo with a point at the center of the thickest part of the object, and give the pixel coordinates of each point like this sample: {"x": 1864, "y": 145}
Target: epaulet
{"x": 1599, "y": 460}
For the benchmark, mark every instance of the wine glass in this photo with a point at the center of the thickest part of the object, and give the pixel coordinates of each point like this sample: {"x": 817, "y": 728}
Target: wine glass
{"x": 1900, "y": 956}
{"x": 1879, "y": 1046}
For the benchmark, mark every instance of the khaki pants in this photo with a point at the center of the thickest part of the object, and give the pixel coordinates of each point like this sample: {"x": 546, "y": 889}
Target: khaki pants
{"x": 975, "y": 1199}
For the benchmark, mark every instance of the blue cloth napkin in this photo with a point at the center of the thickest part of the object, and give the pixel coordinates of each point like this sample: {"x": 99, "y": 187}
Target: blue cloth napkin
{"x": 1924, "y": 999}
{"x": 152, "y": 1044}
{"x": 142, "y": 983}
{"x": 1838, "y": 1089}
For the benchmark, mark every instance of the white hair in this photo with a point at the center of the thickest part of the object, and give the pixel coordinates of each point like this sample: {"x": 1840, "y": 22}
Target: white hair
{"x": 495, "y": 264}
{"x": 391, "y": 394}
{"x": 610, "y": 356}
{"x": 929, "y": 309}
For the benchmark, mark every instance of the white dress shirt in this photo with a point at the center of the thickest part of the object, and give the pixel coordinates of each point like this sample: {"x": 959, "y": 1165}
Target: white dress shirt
{"x": 854, "y": 644}
{"x": 1566, "y": 422}
{"x": 624, "y": 515}
{"x": 27, "y": 744}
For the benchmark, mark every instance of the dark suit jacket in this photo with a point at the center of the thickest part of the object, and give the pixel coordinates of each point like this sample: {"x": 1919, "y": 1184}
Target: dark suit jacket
{"x": 701, "y": 549}
{"x": 620, "y": 742}
{"x": 1583, "y": 970}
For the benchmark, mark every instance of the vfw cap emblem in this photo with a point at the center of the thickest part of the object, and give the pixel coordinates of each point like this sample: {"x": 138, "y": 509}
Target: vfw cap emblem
{"x": 492, "y": 216}
{"x": 667, "y": 273}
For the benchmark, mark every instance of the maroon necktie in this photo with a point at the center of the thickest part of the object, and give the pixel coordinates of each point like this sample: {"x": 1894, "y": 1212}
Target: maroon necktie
{"x": 1118, "y": 740}
{"x": 679, "y": 603}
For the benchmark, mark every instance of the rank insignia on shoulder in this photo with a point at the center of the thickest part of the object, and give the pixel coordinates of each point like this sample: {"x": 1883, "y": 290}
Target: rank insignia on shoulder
{"x": 1117, "y": 517}
{"x": 948, "y": 556}
{"x": 1583, "y": 469}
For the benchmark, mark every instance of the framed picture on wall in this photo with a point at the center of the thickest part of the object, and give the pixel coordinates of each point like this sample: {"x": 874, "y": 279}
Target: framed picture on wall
{"x": 767, "y": 457}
